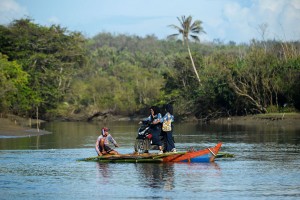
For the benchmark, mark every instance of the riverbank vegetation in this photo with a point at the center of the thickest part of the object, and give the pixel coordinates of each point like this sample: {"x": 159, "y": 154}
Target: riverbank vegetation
{"x": 50, "y": 73}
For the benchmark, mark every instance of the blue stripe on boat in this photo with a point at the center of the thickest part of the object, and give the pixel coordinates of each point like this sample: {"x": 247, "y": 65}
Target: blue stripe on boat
{"x": 203, "y": 158}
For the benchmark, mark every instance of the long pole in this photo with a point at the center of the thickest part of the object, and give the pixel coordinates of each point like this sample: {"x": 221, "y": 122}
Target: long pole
{"x": 37, "y": 119}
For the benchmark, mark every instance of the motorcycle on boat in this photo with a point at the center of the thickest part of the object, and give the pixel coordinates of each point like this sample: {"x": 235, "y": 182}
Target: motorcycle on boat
{"x": 143, "y": 142}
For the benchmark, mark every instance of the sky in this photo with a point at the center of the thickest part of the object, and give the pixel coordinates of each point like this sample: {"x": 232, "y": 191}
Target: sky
{"x": 239, "y": 21}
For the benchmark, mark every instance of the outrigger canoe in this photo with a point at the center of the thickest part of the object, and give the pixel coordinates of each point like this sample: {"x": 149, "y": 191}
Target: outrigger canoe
{"x": 204, "y": 155}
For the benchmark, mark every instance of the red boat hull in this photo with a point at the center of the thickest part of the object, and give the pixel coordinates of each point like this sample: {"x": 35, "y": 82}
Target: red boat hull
{"x": 205, "y": 155}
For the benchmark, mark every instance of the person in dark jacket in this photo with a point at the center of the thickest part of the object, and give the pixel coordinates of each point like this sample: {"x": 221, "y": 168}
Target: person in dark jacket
{"x": 155, "y": 127}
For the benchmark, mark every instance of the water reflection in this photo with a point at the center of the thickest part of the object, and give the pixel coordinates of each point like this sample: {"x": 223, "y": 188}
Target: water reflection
{"x": 82, "y": 135}
{"x": 168, "y": 176}
{"x": 156, "y": 175}
{"x": 103, "y": 170}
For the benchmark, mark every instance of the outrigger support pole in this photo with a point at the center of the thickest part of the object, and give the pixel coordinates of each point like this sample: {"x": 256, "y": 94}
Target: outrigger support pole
{"x": 211, "y": 152}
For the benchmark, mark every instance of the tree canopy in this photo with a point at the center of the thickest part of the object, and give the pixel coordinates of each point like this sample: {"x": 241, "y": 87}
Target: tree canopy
{"x": 69, "y": 76}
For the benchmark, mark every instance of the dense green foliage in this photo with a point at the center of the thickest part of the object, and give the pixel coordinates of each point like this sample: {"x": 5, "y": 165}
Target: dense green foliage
{"x": 64, "y": 74}
{"x": 49, "y": 56}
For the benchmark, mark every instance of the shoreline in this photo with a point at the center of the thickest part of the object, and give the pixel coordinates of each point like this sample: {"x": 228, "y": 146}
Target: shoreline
{"x": 272, "y": 119}
{"x": 14, "y": 126}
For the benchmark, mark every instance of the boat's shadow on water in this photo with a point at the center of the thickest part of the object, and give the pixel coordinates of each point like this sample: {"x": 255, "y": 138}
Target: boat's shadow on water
{"x": 155, "y": 175}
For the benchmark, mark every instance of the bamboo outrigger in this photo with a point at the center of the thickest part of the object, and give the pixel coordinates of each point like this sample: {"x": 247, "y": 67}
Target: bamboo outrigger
{"x": 204, "y": 155}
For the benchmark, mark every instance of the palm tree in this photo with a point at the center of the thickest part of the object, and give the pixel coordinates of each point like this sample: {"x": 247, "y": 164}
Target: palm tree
{"x": 188, "y": 29}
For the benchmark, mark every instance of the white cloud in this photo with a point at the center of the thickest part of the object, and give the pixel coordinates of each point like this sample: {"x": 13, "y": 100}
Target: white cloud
{"x": 289, "y": 22}
{"x": 53, "y": 20}
{"x": 227, "y": 20}
{"x": 10, "y": 10}
{"x": 282, "y": 17}
{"x": 240, "y": 22}
{"x": 296, "y": 4}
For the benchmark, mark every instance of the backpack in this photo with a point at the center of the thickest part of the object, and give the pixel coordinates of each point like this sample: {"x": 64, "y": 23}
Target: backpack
{"x": 166, "y": 126}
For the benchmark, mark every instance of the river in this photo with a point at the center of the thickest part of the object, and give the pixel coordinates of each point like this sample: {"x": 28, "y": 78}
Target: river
{"x": 266, "y": 164}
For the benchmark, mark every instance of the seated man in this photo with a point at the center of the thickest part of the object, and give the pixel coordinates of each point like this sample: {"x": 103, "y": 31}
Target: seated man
{"x": 102, "y": 143}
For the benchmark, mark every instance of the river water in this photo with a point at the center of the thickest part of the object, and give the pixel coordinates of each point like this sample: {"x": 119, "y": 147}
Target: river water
{"x": 266, "y": 164}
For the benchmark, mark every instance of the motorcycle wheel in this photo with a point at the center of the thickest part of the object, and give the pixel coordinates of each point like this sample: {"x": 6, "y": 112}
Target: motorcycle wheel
{"x": 142, "y": 145}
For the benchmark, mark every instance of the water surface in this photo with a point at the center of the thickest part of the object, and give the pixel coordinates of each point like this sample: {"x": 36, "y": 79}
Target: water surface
{"x": 266, "y": 165}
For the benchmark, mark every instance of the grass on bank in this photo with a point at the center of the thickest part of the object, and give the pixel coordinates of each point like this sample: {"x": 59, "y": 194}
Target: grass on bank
{"x": 278, "y": 116}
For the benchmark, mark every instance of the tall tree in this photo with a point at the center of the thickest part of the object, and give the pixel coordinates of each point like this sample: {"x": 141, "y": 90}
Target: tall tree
{"x": 50, "y": 55}
{"x": 188, "y": 29}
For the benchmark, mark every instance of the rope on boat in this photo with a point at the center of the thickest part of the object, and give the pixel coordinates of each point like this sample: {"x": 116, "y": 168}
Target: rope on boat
{"x": 211, "y": 152}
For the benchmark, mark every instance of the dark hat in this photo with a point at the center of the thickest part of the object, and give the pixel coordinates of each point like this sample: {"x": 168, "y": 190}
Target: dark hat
{"x": 105, "y": 129}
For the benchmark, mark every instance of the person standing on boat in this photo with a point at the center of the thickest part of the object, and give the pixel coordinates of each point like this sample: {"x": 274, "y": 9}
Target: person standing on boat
{"x": 155, "y": 127}
{"x": 102, "y": 143}
{"x": 167, "y": 128}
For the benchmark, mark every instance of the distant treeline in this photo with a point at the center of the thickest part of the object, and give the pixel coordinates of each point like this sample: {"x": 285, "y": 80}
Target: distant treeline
{"x": 56, "y": 73}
